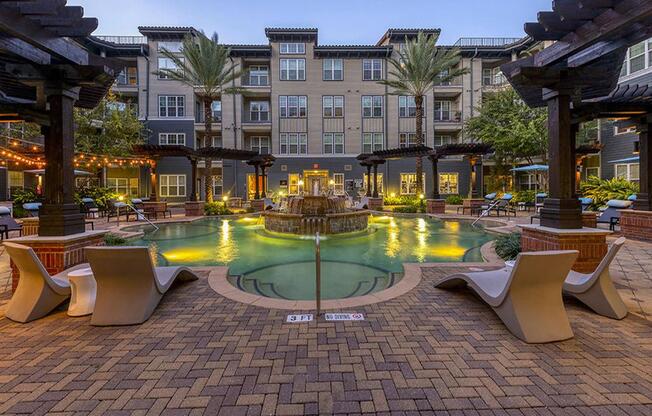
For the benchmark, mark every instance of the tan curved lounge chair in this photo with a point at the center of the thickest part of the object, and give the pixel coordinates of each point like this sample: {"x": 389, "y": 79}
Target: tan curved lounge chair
{"x": 596, "y": 290}
{"x": 37, "y": 293}
{"x": 527, "y": 297}
{"x": 129, "y": 287}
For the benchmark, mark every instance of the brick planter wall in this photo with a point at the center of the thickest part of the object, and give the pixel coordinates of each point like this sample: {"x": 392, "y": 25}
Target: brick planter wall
{"x": 590, "y": 220}
{"x": 375, "y": 204}
{"x": 591, "y": 243}
{"x": 436, "y": 206}
{"x": 258, "y": 205}
{"x": 58, "y": 253}
{"x": 30, "y": 226}
{"x": 194, "y": 208}
{"x": 636, "y": 225}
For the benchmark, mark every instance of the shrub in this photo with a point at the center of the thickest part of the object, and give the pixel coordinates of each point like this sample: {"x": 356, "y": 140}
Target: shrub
{"x": 508, "y": 246}
{"x": 216, "y": 208}
{"x": 406, "y": 209}
{"x": 524, "y": 196}
{"x": 454, "y": 200}
{"x": 100, "y": 195}
{"x": 602, "y": 190}
{"x": 24, "y": 196}
{"x": 401, "y": 200}
{"x": 114, "y": 240}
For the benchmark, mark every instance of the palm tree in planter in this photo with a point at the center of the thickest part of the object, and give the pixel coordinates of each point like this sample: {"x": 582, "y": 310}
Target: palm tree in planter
{"x": 204, "y": 65}
{"x": 421, "y": 65}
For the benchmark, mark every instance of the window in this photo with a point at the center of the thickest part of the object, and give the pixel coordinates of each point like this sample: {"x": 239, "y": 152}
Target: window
{"x": 409, "y": 184}
{"x": 292, "y": 48}
{"x": 629, "y": 171}
{"x": 443, "y": 75}
{"x": 293, "y": 143}
{"x": 334, "y": 143}
{"x": 333, "y": 106}
{"x": 118, "y": 185}
{"x": 259, "y": 144}
{"x": 171, "y": 46}
{"x": 172, "y": 139}
{"x": 493, "y": 76}
{"x": 338, "y": 183}
{"x": 293, "y": 184}
{"x": 592, "y": 171}
{"x": 258, "y": 75}
{"x": 128, "y": 76}
{"x": 638, "y": 58}
{"x": 442, "y": 111}
{"x": 407, "y": 139}
{"x": 166, "y": 63}
{"x": 171, "y": 106}
{"x": 372, "y": 69}
{"x": 624, "y": 130}
{"x": 16, "y": 179}
{"x": 172, "y": 185}
{"x": 259, "y": 111}
{"x": 443, "y": 139}
{"x": 216, "y": 109}
{"x": 216, "y": 141}
{"x": 218, "y": 183}
{"x": 372, "y": 106}
{"x": 333, "y": 70}
{"x": 379, "y": 183}
{"x": 406, "y": 106}
{"x": 372, "y": 142}
{"x": 293, "y": 69}
{"x": 293, "y": 106}
{"x": 448, "y": 183}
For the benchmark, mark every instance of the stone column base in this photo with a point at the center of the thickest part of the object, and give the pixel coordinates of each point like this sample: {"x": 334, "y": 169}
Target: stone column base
{"x": 375, "y": 204}
{"x": 58, "y": 253}
{"x": 590, "y": 242}
{"x": 636, "y": 225}
{"x": 436, "y": 206}
{"x": 194, "y": 208}
{"x": 258, "y": 205}
{"x": 589, "y": 220}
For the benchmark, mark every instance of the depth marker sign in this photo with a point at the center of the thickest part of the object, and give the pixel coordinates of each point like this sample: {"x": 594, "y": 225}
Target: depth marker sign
{"x": 344, "y": 317}
{"x": 294, "y": 319}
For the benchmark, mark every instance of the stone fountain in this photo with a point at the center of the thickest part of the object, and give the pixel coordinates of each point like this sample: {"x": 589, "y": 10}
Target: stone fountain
{"x": 307, "y": 215}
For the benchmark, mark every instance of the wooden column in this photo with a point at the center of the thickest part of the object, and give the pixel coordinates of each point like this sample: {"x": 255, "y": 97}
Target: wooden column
{"x": 375, "y": 192}
{"x": 59, "y": 215}
{"x": 644, "y": 197}
{"x": 153, "y": 197}
{"x": 257, "y": 186}
{"x": 561, "y": 209}
{"x": 263, "y": 194}
{"x": 194, "y": 196}
{"x": 368, "y": 181}
{"x": 477, "y": 169}
{"x": 435, "y": 178}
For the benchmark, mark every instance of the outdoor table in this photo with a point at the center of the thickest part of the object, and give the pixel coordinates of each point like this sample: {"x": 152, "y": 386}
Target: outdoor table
{"x": 83, "y": 289}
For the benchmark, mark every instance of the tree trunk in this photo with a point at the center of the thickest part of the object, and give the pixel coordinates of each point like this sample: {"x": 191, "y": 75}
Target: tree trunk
{"x": 208, "y": 136}
{"x": 418, "y": 100}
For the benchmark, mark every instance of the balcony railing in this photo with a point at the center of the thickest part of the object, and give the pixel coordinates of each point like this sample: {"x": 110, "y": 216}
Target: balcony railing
{"x": 217, "y": 117}
{"x": 453, "y": 117}
{"x": 255, "y": 81}
{"x": 257, "y": 118}
{"x": 124, "y": 40}
{"x": 455, "y": 82}
{"x": 485, "y": 42}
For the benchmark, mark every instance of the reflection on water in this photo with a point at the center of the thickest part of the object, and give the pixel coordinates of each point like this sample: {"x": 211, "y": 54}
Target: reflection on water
{"x": 227, "y": 249}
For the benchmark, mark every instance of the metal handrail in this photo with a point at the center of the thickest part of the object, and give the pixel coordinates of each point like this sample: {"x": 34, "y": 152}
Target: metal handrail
{"x": 141, "y": 214}
{"x": 318, "y": 273}
{"x": 486, "y": 212}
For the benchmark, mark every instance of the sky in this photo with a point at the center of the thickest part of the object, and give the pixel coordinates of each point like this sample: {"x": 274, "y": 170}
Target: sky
{"x": 338, "y": 21}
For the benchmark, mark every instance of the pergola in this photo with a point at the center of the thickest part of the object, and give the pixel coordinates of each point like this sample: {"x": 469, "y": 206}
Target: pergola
{"x": 44, "y": 73}
{"x": 372, "y": 160}
{"x": 577, "y": 79}
{"x": 155, "y": 152}
{"x": 261, "y": 163}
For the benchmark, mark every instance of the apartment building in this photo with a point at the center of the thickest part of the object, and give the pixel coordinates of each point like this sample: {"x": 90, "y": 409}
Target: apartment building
{"x": 314, "y": 107}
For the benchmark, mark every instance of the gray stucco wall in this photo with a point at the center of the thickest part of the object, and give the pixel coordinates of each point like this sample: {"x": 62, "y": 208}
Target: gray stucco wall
{"x": 171, "y": 126}
{"x": 615, "y": 147}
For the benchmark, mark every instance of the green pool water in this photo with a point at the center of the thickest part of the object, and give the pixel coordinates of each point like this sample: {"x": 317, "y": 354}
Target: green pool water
{"x": 282, "y": 266}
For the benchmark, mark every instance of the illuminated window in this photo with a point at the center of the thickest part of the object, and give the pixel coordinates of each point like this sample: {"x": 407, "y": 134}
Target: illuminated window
{"x": 172, "y": 185}
{"x": 409, "y": 183}
{"x": 293, "y": 184}
{"x": 448, "y": 183}
{"x": 338, "y": 187}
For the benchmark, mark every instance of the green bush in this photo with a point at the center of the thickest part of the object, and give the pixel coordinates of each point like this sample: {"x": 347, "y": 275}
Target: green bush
{"x": 101, "y": 196}
{"x": 216, "y": 208}
{"x": 454, "y": 200}
{"x": 508, "y": 246}
{"x": 401, "y": 200}
{"x": 24, "y": 196}
{"x": 602, "y": 190}
{"x": 524, "y": 196}
{"x": 406, "y": 209}
{"x": 114, "y": 240}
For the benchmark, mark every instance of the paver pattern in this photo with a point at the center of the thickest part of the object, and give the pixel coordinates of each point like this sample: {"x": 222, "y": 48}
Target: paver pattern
{"x": 427, "y": 352}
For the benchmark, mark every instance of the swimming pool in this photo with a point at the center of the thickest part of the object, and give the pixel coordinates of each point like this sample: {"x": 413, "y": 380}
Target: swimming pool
{"x": 281, "y": 266}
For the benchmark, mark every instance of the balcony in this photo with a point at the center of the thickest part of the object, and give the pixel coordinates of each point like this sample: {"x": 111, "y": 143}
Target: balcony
{"x": 124, "y": 40}
{"x": 448, "y": 121}
{"x": 256, "y": 85}
{"x": 256, "y": 122}
{"x": 450, "y": 89}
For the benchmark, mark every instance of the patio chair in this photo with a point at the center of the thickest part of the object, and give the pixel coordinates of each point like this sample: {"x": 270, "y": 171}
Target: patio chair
{"x": 527, "y": 297}
{"x": 362, "y": 204}
{"x": 8, "y": 223}
{"x": 490, "y": 197}
{"x": 538, "y": 200}
{"x": 504, "y": 205}
{"x": 89, "y": 208}
{"x": 32, "y": 208}
{"x": 586, "y": 203}
{"x": 37, "y": 293}
{"x": 129, "y": 287}
{"x": 611, "y": 215}
{"x": 596, "y": 290}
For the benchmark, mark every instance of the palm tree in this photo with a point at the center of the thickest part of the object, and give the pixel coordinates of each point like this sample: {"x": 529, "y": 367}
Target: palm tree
{"x": 420, "y": 66}
{"x": 204, "y": 65}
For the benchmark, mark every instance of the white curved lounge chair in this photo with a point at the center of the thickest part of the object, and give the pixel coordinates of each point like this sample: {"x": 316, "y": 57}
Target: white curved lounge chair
{"x": 363, "y": 203}
{"x": 527, "y": 297}
{"x": 596, "y": 290}
{"x": 37, "y": 293}
{"x": 129, "y": 287}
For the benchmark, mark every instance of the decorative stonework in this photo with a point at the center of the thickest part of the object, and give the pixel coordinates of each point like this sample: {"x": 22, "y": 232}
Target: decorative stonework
{"x": 30, "y": 226}
{"x": 591, "y": 243}
{"x": 636, "y": 225}
{"x": 257, "y": 205}
{"x": 436, "y": 206}
{"x": 375, "y": 204}
{"x": 194, "y": 208}
{"x": 59, "y": 253}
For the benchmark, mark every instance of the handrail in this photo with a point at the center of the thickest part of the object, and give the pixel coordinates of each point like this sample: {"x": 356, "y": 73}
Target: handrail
{"x": 141, "y": 214}
{"x": 486, "y": 212}
{"x": 318, "y": 273}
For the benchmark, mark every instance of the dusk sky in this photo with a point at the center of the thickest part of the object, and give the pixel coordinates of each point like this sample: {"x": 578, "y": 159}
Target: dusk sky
{"x": 338, "y": 21}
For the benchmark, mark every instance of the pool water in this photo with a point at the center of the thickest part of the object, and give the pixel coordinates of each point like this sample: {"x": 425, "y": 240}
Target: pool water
{"x": 283, "y": 266}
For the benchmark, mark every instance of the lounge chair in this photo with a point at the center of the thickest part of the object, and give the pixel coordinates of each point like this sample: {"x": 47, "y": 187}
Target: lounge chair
{"x": 527, "y": 297}
{"x": 37, "y": 293}
{"x": 596, "y": 290}
{"x": 490, "y": 197}
{"x": 538, "y": 200}
{"x": 268, "y": 204}
{"x": 586, "y": 203}
{"x": 89, "y": 208}
{"x": 362, "y": 204}
{"x": 8, "y": 223}
{"x": 129, "y": 287}
{"x": 32, "y": 208}
{"x": 611, "y": 215}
